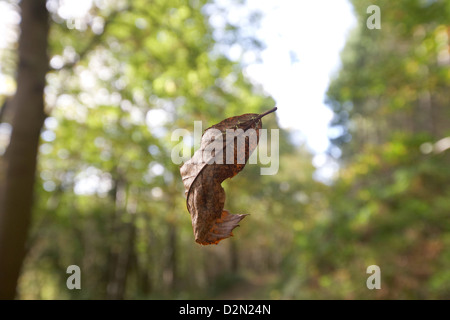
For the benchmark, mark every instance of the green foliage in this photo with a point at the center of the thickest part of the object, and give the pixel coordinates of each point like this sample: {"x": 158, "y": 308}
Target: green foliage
{"x": 110, "y": 200}
{"x": 390, "y": 204}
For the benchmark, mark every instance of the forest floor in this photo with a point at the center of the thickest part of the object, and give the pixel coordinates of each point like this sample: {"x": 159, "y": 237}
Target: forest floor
{"x": 251, "y": 287}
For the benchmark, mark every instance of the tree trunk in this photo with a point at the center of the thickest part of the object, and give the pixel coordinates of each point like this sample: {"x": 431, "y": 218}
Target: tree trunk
{"x": 123, "y": 259}
{"x": 172, "y": 263}
{"x": 122, "y": 248}
{"x": 234, "y": 257}
{"x": 18, "y": 165}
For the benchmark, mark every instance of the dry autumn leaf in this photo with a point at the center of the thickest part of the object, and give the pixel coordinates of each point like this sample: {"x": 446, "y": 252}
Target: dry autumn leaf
{"x": 225, "y": 149}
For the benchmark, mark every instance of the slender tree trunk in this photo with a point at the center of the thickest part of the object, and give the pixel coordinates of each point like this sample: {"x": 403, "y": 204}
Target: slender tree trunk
{"x": 172, "y": 262}
{"x": 18, "y": 166}
{"x": 123, "y": 259}
{"x": 143, "y": 261}
{"x": 122, "y": 249}
{"x": 234, "y": 257}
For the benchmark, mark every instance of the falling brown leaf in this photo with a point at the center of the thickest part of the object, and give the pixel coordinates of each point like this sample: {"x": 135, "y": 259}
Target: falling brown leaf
{"x": 225, "y": 149}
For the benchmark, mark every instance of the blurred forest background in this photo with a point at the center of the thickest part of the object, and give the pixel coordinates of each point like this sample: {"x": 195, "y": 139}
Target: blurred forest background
{"x": 111, "y": 86}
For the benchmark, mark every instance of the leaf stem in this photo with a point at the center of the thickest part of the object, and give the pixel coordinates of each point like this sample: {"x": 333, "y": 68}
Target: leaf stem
{"x": 259, "y": 117}
{"x": 267, "y": 112}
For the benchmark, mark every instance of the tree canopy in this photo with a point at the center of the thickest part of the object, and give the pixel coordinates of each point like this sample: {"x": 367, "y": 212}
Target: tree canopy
{"x": 122, "y": 76}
